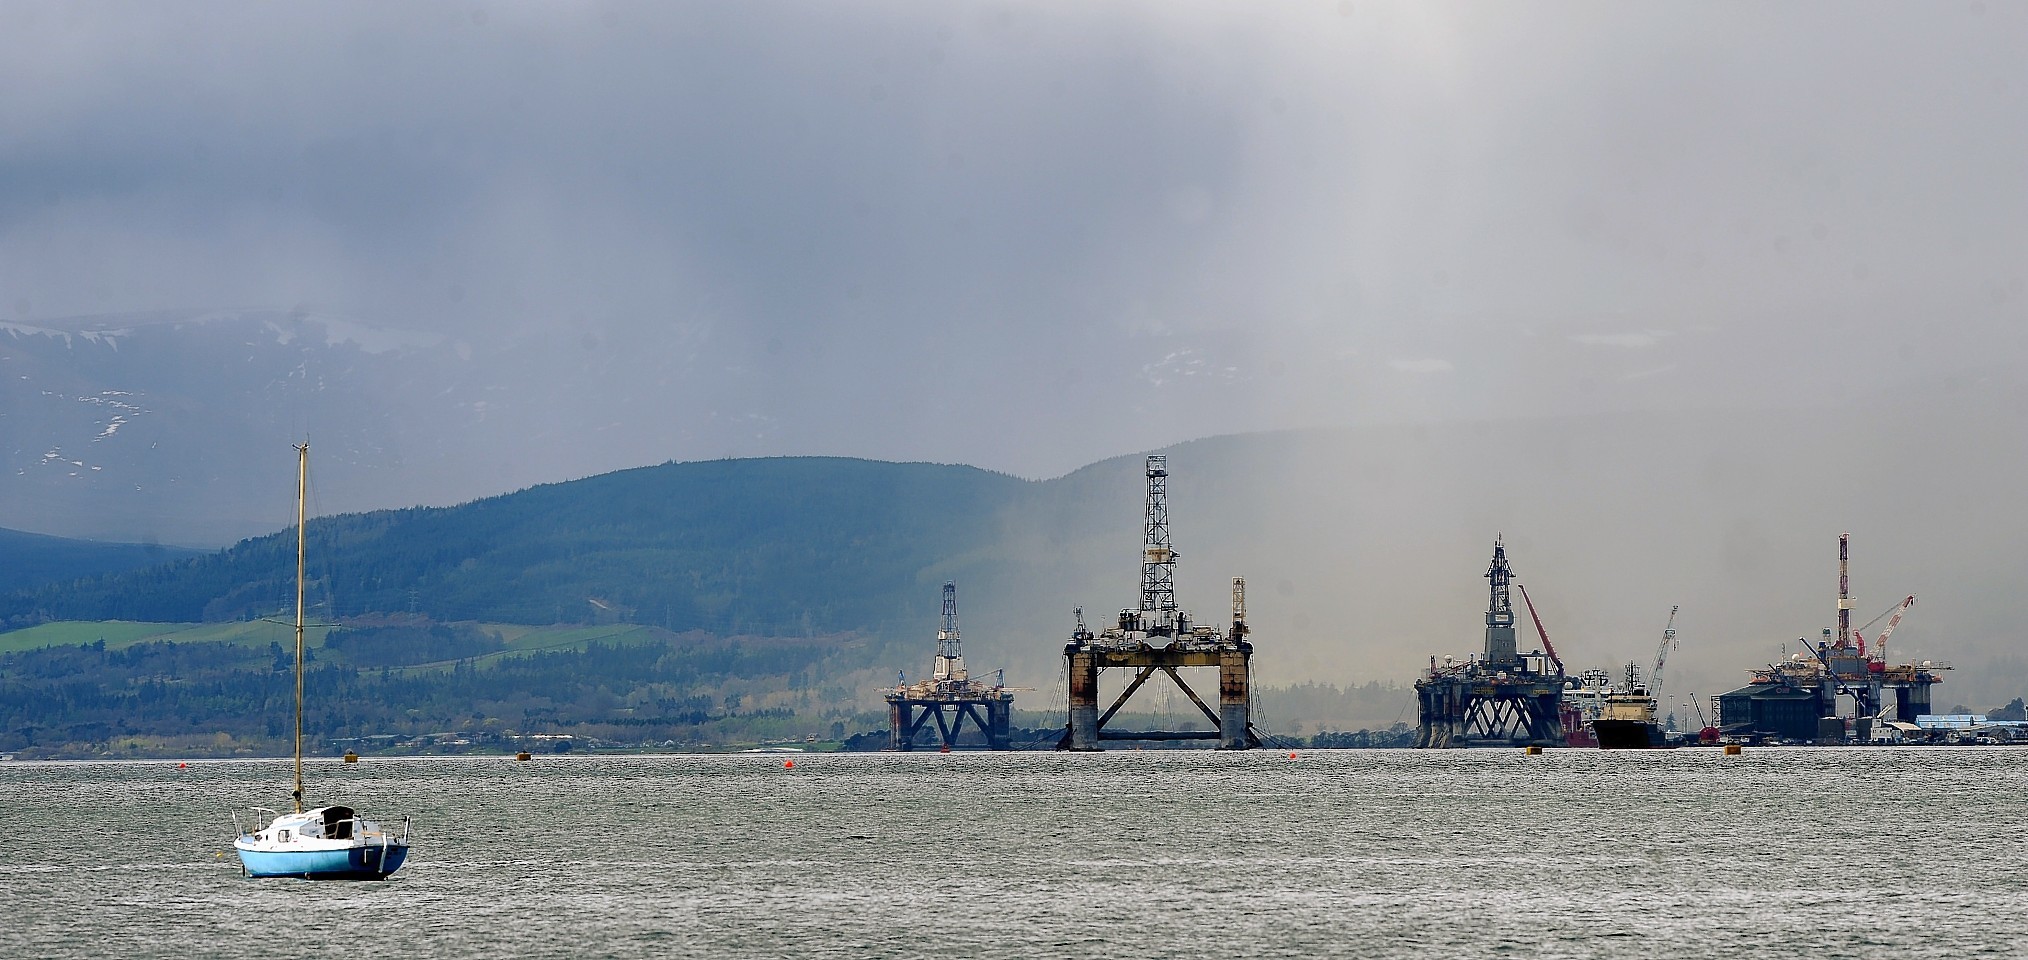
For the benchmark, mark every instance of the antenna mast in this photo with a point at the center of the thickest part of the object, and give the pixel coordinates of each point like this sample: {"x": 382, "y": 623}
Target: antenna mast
{"x": 1158, "y": 558}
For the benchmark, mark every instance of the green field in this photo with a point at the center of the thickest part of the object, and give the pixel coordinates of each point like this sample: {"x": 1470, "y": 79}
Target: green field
{"x": 122, "y": 633}
{"x": 521, "y": 638}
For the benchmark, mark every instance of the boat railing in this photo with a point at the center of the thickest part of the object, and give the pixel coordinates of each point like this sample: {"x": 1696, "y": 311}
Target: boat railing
{"x": 255, "y": 823}
{"x": 381, "y": 831}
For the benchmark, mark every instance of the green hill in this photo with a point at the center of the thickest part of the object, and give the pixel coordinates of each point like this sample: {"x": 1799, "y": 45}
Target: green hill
{"x": 30, "y": 560}
{"x": 790, "y": 546}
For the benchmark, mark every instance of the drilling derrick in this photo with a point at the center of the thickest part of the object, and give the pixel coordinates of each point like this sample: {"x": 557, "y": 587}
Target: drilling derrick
{"x": 949, "y": 696}
{"x": 1158, "y": 637}
{"x": 1499, "y": 612}
{"x": 1504, "y": 697}
{"x": 950, "y": 656}
{"x": 1158, "y": 557}
{"x": 1844, "y": 590}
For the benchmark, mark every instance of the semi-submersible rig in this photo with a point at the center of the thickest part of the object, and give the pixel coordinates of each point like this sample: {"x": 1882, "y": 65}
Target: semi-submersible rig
{"x": 1837, "y": 691}
{"x": 1504, "y": 697}
{"x": 950, "y": 696}
{"x": 1797, "y": 698}
{"x": 1158, "y": 637}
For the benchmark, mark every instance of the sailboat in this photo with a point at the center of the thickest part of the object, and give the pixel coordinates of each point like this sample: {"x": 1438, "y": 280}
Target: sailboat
{"x": 320, "y": 843}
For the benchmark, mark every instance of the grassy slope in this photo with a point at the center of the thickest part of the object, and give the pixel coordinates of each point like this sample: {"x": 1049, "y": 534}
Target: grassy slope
{"x": 119, "y": 634}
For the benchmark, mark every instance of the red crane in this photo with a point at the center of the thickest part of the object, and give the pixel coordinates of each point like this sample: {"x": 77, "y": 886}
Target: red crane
{"x": 1880, "y": 642}
{"x": 1547, "y": 647}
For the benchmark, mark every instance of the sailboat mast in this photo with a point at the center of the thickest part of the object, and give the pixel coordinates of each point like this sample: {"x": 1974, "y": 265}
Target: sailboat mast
{"x": 302, "y": 492}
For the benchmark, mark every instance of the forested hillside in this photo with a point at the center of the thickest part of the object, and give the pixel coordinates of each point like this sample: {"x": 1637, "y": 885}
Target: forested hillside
{"x": 30, "y": 560}
{"x": 792, "y": 546}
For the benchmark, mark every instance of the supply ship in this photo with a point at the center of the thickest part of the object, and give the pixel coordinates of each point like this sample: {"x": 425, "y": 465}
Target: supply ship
{"x": 1626, "y": 721}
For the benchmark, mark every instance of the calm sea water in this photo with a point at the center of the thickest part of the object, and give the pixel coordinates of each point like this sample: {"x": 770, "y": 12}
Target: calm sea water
{"x": 1775, "y": 853}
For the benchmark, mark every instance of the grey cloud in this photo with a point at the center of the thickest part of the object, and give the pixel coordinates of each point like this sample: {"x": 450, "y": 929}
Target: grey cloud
{"x": 967, "y": 232}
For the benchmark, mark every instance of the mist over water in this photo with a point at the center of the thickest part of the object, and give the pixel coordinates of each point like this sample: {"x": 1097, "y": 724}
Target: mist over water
{"x": 1834, "y": 852}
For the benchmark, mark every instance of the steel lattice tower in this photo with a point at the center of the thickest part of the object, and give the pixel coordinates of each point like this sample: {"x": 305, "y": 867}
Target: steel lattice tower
{"x": 950, "y": 655}
{"x": 1158, "y": 558}
{"x": 1499, "y": 609}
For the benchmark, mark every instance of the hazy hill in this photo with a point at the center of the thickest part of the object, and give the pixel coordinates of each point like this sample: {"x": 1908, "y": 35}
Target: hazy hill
{"x": 31, "y": 560}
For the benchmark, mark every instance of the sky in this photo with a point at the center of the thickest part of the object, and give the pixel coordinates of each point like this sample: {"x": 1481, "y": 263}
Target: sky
{"x": 1028, "y": 236}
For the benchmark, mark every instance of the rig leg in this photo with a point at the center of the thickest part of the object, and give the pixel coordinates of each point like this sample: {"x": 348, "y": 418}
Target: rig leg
{"x": 1233, "y": 699}
{"x": 1083, "y": 697}
{"x": 999, "y": 736}
{"x": 900, "y": 733}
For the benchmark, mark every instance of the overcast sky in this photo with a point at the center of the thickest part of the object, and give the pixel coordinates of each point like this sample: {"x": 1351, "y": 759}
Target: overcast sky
{"x": 1028, "y": 236}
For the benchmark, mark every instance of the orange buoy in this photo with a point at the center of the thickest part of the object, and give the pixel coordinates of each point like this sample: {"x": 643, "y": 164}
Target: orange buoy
{"x": 183, "y": 766}
{"x": 1292, "y": 755}
{"x": 523, "y": 755}
{"x": 1732, "y": 749}
{"x": 788, "y": 763}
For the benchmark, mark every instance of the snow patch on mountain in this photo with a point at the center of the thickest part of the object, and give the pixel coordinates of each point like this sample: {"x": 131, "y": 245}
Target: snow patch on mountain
{"x": 340, "y": 331}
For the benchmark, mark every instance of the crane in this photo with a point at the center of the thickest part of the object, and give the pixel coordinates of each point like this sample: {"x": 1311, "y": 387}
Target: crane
{"x": 1544, "y": 634}
{"x": 1662, "y": 654}
{"x": 1880, "y": 642}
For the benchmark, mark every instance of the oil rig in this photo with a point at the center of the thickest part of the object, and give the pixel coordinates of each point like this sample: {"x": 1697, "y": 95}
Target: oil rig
{"x": 1158, "y": 637}
{"x": 949, "y": 696}
{"x": 1503, "y": 698}
{"x": 1798, "y": 698}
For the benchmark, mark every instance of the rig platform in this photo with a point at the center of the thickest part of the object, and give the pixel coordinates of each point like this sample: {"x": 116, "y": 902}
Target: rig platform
{"x": 1798, "y": 697}
{"x": 1160, "y": 638}
{"x": 949, "y": 696}
{"x": 1503, "y": 698}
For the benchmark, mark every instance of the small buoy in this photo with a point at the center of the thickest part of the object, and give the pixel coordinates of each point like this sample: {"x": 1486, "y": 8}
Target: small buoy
{"x": 351, "y": 757}
{"x": 1732, "y": 749}
{"x": 946, "y": 748}
{"x": 1532, "y": 749}
{"x": 523, "y": 755}
{"x": 1292, "y": 754}
{"x": 183, "y": 766}
{"x": 788, "y": 763}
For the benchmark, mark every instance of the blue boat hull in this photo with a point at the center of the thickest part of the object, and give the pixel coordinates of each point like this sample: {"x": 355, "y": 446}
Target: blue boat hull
{"x": 352, "y": 863}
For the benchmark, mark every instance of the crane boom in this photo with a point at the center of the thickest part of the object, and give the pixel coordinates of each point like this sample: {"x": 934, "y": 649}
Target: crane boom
{"x": 1880, "y": 642}
{"x": 1547, "y": 647}
{"x": 1662, "y": 654}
